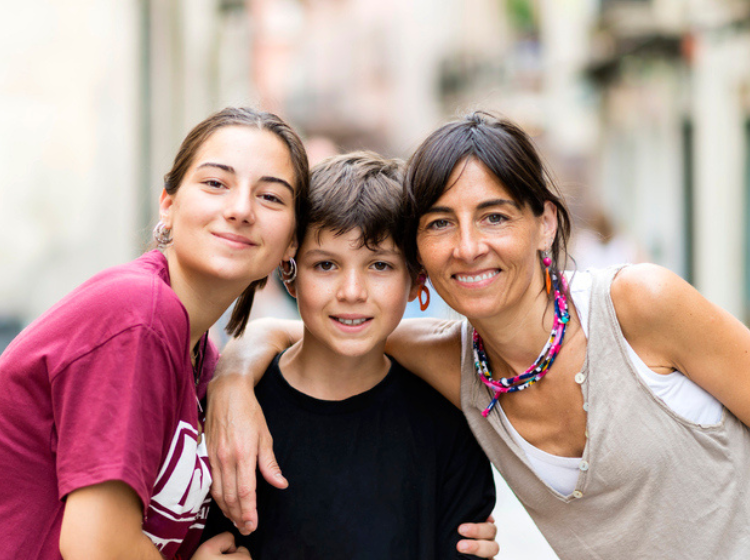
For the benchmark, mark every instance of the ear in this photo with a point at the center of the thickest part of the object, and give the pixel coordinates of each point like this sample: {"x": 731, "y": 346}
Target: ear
{"x": 291, "y": 249}
{"x": 291, "y": 289}
{"x": 165, "y": 204}
{"x": 547, "y": 226}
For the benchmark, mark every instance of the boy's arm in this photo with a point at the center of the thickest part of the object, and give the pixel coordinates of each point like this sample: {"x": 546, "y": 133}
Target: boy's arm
{"x": 236, "y": 433}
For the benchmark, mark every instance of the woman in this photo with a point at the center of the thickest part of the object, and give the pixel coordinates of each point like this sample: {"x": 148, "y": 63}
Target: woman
{"x": 626, "y": 436}
{"x": 99, "y": 414}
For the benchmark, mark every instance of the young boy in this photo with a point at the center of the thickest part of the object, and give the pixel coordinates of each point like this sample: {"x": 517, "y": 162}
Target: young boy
{"x": 380, "y": 465}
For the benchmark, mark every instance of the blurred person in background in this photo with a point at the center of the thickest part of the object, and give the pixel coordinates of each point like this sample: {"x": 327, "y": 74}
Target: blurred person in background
{"x": 100, "y": 419}
{"x": 635, "y": 444}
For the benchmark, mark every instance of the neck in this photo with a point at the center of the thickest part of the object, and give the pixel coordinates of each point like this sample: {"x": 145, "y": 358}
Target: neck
{"x": 205, "y": 299}
{"x": 323, "y": 374}
{"x": 513, "y": 340}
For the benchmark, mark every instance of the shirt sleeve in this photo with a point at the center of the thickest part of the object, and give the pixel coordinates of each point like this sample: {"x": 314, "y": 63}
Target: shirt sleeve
{"x": 113, "y": 412}
{"x": 466, "y": 492}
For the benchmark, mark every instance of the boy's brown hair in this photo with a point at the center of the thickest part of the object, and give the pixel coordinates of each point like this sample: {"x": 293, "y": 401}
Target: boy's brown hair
{"x": 356, "y": 190}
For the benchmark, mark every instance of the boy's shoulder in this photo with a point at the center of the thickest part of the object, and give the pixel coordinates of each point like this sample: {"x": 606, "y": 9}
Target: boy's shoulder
{"x": 423, "y": 397}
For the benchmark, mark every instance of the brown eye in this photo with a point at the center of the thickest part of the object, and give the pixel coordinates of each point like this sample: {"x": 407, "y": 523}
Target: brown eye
{"x": 381, "y": 266}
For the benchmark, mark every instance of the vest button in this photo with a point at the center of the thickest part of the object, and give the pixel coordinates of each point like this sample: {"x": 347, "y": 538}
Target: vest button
{"x": 580, "y": 377}
{"x": 584, "y": 466}
{"x": 577, "y": 494}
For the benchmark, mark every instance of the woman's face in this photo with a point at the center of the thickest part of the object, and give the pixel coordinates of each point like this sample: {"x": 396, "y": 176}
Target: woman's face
{"x": 232, "y": 218}
{"x": 480, "y": 247}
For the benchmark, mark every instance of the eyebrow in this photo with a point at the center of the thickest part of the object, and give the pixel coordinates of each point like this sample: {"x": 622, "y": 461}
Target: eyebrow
{"x": 379, "y": 252}
{"x": 230, "y": 169}
{"x": 223, "y": 167}
{"x": 481, "y": 206}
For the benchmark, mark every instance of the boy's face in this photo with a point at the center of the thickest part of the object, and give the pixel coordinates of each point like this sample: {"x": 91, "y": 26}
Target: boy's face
{"x": 349, "y": 296}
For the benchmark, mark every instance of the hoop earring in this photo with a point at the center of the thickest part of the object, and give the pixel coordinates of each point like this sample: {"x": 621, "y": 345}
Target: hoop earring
{"x": 547, "y": 262}
{"x": 423, "y": 291}
{"x": 162, "y": 235}
{"x": 287, "y": 277}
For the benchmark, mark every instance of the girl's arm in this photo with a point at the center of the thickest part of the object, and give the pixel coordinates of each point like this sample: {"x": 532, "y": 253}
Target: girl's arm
{"x": 673, "y": 327}
{"x": 104, "y": 521}
{"x": 237, "y": 436}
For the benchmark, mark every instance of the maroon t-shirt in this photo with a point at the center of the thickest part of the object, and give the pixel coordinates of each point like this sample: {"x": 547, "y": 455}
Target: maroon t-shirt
{"x": 101, "y": 388}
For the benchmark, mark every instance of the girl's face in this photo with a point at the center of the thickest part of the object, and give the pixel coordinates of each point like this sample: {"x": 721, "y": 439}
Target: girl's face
{"x": 232, "y": 218}
{"x": 480, "y": 247}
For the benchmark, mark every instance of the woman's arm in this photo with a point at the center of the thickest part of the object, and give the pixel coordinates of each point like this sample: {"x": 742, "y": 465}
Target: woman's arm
{"x": 673, "y": 327}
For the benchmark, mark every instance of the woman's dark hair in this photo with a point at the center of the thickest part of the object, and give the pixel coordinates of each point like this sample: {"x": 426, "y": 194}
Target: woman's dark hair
{"x": 242, "y": 116}
{"x": 505, "y": 149}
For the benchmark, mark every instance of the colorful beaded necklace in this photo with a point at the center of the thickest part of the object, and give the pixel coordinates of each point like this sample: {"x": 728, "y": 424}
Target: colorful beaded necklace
{"x": 547, "y": 356}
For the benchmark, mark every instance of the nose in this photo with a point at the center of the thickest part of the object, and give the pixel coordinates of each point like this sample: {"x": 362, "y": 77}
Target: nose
{"x": 240, "y": 207}
{"x": 470, "y": 243}
{"x": 353, "y": 287}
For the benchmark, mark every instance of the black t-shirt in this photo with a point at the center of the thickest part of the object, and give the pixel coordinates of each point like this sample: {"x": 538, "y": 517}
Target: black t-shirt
{"x": 387, "y": 474}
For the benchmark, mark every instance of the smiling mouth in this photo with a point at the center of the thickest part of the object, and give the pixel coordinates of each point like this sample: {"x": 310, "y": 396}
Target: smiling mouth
{"x": 477, "y": 278}
{"x": 239, "y": 239}
{"x": 351, "y": 322}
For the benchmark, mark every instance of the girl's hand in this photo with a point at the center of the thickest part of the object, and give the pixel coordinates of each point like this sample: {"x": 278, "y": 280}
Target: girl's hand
{"x": 221, "y": 546}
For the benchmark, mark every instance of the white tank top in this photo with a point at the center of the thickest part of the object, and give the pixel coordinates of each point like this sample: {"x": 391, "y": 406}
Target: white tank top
{"x": 680, "y": 394}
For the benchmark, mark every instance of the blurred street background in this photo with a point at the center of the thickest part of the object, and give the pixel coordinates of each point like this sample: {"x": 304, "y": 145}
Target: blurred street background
{"x": 640, "y": 107}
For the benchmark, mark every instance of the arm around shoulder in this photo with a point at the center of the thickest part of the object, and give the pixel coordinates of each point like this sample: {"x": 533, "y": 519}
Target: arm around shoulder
{"x": 671, "y": 326}
{"x": 237, "y": 436}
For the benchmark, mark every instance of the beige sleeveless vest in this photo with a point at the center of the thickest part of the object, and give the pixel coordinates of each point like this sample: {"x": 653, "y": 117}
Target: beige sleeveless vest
{"x": 651, "y": 484}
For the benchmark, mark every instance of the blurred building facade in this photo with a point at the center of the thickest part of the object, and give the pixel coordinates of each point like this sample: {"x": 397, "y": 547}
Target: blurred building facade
{"x": 674, "y": 82}
{"x": 641, "y": 107}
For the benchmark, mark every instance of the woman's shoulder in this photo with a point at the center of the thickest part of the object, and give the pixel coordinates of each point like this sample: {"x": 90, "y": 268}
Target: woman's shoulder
{"x": 647, "y": 298}
{"x": 643, "y": 289}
